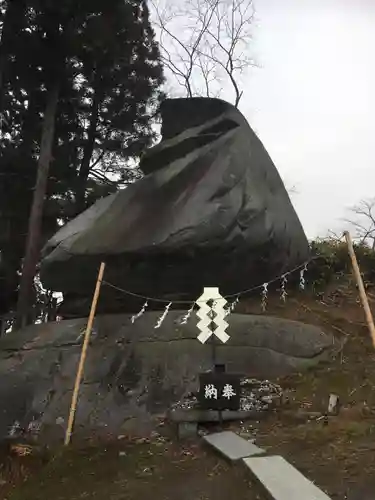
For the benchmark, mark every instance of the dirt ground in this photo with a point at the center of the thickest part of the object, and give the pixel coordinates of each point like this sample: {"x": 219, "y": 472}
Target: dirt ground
{"x": 337, "y": 453}
{"x": 131, "y": 471}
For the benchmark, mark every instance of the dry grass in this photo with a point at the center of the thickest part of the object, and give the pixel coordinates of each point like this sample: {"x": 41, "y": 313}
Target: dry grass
{"x": 337, "y": 454}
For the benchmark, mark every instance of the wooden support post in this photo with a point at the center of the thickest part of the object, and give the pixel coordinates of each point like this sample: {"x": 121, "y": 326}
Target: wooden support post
{"x": 361, "y": 287}
{"x": 82, "y": 359}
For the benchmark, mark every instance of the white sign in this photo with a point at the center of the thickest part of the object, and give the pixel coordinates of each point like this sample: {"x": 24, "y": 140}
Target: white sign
{"x": 228, "y": 391}
{"x": 206, "y": 317}
{"x": 210, "y": 391}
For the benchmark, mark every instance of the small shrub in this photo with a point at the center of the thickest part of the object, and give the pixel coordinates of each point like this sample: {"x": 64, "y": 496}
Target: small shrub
{"x": 331, "y": 261}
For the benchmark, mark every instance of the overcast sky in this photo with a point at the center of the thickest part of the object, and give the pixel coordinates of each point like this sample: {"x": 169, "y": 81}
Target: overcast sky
{"x": 313, "y": 102}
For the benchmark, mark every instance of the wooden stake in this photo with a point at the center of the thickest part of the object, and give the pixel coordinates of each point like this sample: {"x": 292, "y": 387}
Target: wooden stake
{"x": 82, "y": 359}
{"x": 361, "y": 287}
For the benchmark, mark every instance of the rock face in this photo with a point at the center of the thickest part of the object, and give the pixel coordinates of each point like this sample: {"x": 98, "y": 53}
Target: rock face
{"x": 133, "y": 371}
{"x": 211, "y": 211}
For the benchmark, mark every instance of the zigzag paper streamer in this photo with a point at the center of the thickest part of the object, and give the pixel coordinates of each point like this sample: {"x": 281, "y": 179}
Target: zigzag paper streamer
{"x": 204, "y": 313}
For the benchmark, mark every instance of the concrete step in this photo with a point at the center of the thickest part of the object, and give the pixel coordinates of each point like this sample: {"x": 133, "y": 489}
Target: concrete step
{"x": 282, "y": 480}
{"x": 232, "y": 446}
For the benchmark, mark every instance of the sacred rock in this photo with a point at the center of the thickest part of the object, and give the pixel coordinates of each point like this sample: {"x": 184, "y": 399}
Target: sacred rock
{"x": 211, "y": 210}
{"x": 134, "y": 372}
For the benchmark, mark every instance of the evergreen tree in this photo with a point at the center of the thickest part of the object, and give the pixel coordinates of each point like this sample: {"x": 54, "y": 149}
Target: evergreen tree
{"x": 102, "y": 60}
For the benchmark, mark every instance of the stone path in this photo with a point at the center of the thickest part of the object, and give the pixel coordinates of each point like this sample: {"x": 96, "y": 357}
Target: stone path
{"x": 278, "y": 477}
{"x": 282, "y": 480}
{"x": 232, "y": 446}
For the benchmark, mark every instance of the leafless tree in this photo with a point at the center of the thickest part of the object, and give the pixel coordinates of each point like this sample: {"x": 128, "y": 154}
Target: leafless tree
{"x": 204, "y": 44}
{"x": 363, "y": 221}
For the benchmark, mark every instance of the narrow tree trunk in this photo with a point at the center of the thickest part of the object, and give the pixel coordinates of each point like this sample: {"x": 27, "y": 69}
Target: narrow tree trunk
{"x": 88, "y": 150}
{"x": 35, "y": 219}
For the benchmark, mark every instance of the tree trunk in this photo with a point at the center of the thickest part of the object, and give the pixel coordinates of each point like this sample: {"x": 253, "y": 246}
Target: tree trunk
{"x": 35, "y": 219}
{"x": 88, "y": 150}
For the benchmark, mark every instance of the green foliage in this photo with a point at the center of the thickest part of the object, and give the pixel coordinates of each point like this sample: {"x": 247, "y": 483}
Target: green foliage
{"x": 332, "y": 261}
{"x": 106, "y": 61}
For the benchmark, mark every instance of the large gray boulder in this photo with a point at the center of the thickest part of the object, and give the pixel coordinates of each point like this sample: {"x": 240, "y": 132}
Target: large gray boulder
{"x": 211, "y": 210}
{"x": 134, "y": 371}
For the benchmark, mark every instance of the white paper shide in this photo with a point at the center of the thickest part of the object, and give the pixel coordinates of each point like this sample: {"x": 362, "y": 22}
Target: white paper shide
{"x": 212, "y": 314}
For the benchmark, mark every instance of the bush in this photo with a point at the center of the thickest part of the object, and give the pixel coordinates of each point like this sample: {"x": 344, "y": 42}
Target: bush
{"x": 332, "y": 261}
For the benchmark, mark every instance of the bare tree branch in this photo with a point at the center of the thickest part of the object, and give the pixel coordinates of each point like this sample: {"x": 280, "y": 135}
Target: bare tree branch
{"x": 333, "y": 236}
{"x": 205, "y": 42}
{"x": 235, "y": 34}
{"x": 101, "y": 177}
{"x": 364, "y": 221}
{"x": 207, "y": 69}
